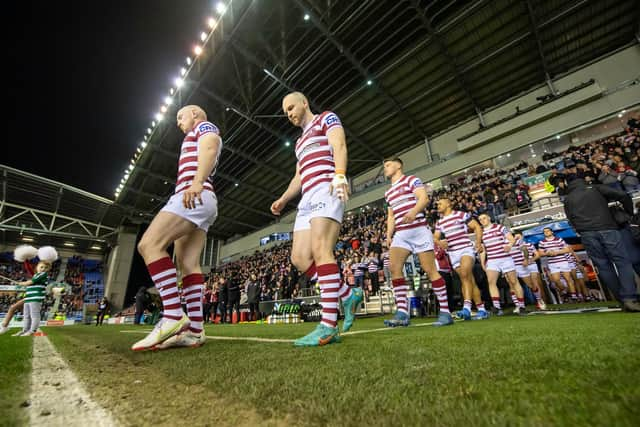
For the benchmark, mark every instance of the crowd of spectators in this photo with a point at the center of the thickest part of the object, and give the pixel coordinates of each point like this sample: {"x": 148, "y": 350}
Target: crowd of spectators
{"x": 361, "y": 248}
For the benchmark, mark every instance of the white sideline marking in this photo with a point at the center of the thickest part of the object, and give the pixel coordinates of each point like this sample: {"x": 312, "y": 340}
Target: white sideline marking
{"x": 56, "y": 390}
{"x": 258, "y": 339}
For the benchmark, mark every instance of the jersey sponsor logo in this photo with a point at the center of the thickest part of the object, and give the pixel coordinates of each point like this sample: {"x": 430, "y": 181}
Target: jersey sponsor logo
{"x": 207, "y": 127}
{"x": 317, "y": 206}
{"x": 332, "y": 119}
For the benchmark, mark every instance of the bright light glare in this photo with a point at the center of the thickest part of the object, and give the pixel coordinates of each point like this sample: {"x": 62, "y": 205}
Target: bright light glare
{"x": 203, "y": 36}
{"x": 168, "y": 100}
{"x": 306, "y": 17}
{"x": 179, "y": 82}
{"x": 221, "y": 8}
{"x": 211, "y": 22}
{"x": 197, "y": 50}
{"x": 143, "y": 144}
{"x": 163, "y": 109}
{"x": 159, "y": 117}
{"x": 183, "y": 71}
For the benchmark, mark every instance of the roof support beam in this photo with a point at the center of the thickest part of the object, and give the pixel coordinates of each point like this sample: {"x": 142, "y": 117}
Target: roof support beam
{"x": 543, "y": 60}
{"x": 459, "y": 76}
{"x": 265, "y": 68}
{"x": 346, "y": 52}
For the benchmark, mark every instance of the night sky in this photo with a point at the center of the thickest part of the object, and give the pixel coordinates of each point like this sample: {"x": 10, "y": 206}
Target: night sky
{"x": 89, "y": 76}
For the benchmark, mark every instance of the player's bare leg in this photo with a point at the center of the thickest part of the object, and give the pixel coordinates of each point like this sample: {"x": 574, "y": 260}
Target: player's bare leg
{"x": 397, "y": 257}
{"x": 321, "y": 240}
{"x": 427, "y": 262}
{"x": 165, "y": 229}
{"x": 572, "y": 287}
{"x": 516, "y": 288}
{"x": 492, "y": 279}
{"x": 188, "y": 250}
{"x": 470, "y": 291}
{"x": 581, "y": 288}
{"x": 535, "y": 288}
{"x": 7, "y": 318}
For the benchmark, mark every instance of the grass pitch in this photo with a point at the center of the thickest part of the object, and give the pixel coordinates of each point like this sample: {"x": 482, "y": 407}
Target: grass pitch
{"x": 15, "y": 367}
{"x": 579, "y": 369}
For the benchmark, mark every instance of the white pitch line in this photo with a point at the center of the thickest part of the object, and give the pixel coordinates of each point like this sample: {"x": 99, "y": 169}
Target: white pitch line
{"x": 57, "y": 397}
{"x": 259, "y": 339}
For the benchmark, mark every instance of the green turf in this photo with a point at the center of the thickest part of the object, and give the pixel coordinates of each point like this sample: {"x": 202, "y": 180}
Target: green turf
{"x": 579, "y": 369}
{"x": 15, "y": 367}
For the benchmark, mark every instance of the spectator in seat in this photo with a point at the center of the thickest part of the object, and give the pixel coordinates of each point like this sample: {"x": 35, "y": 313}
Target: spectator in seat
{"x": 628, "y": 177}
{"x": 609, "y": 177}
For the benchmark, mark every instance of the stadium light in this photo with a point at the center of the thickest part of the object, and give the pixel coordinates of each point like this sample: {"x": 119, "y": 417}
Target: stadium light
{"x": 369, "y": 82}
{"x": 221, "y": 8}
{"x": 126, "y": 175}
{"x": 171, "y": 91}
{"x": 27, "y": 239}
{"x": 130, "y": 167}
{"x": 188, "y": 60}
{"x": 306, "y": 17}
{"x": 179, "y": 82}
{"x": 96, "y": 248}
{"x": 143, "y": 144}
{"x": 211, "y": 22}
{"x": 287, "y": 143}
{"x": 203, "y": 36}
{"x": 139, "y": 150}
{"x": 183, "y": 71}
{"x": 153, "y": 123}
{"x": 159, "y": 117}
{"x": 236, "y": 184}
{"x": 620, "y": 115}
{"x": 197, "y": 50}
{"x": 557, "y": 136}
{"x": 133, "y": 162}
{"x": 69, "y": 244}
{"x": 163, "y": 109}
{"x": 149, "y": 131}
{"x": 168, "y": 100}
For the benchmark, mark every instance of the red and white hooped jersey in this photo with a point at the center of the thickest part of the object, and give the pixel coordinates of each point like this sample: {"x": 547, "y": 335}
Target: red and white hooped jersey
{"x": 455, "y": 230}
{"x": 531, "y": 250}
{"x": 494, "y": 238}
{"x": 314, "y": 154}
{"x": 572, "y": 261}
{"x": 553, "y": 244}
{"x": 188, "y": 162}
{"x": 401, "y": 200}
{"x": 516, "y": 252}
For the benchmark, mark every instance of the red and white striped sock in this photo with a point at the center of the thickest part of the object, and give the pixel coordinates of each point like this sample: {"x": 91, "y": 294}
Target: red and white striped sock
{"x": 400, "y": 289}
{"x": 480, "y": 307}
{"x": 537, "y": 294}
{"x": 496, "y": 302}
{"x": 440, "y": 288}
{"x": 514, "y": 298}
{"x": 312, "y": 272}
{"x": 192, "y": 286}
{"x": 467, "y": 305}
{"x": 520, "y": 302}
{"x": 329, "y": 280}
{"x": 163, "y": 274}
{"x": 345, "y": 290}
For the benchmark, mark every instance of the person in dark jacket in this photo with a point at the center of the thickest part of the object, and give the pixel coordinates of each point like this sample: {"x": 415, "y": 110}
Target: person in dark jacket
{"x": 588, "y": 212}
{"x": 223, "y": 297}
{"x": 252, "y": 289}
{"x": 142, "y": 299}
{"x": 233, "y": 296}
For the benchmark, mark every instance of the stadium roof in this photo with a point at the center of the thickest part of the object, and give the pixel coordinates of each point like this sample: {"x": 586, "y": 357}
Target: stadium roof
{"x": 396, "y": 72}
{"x": 40, "y": 211}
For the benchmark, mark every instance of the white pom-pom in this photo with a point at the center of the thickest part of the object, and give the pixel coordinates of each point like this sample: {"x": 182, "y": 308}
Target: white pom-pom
{"x": 24, "y": 252}
{"x": 47, "y": 253}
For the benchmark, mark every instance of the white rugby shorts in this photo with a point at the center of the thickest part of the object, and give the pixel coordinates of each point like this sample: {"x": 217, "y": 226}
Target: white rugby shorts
{"x": 318, "y": 203}
{"x": 415, "y": 240}
{"x": 559, "y": 267}
{"x": 501, "y": 265}
{"x": 203, "y": 215}
{"x": 456, "y": 256}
